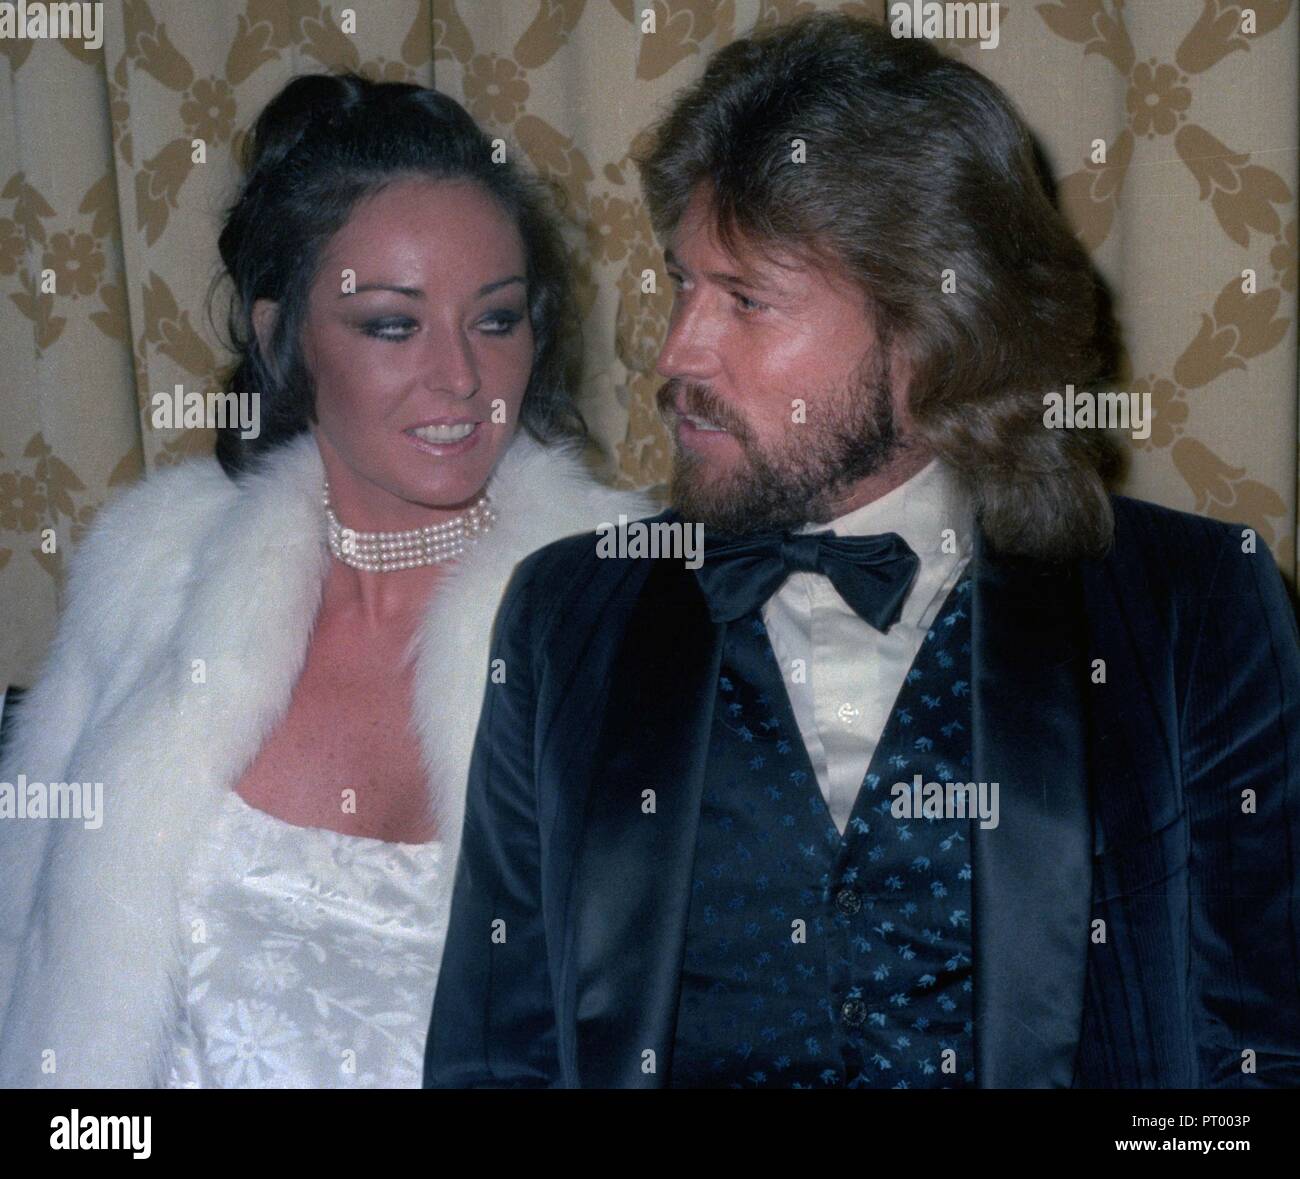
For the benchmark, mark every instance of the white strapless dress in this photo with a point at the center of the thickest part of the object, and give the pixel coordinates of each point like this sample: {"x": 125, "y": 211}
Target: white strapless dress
{"x": 312, "y": 957}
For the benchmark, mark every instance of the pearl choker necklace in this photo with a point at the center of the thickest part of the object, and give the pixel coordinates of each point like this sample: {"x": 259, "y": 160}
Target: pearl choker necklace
{"x": 384, "y": 552}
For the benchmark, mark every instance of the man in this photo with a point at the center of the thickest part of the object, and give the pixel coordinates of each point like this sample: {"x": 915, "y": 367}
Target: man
{"x": 999, "y": 785}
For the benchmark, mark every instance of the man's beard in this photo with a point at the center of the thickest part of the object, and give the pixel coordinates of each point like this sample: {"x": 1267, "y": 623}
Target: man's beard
{"x": 850, "y": 434}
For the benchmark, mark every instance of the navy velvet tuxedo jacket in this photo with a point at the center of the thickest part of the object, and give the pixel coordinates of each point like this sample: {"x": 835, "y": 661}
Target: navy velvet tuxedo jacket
{"x": 1121, "y": 803}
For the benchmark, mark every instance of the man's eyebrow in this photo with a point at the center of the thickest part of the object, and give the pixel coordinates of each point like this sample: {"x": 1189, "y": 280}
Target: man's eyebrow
{"x": 718, "y": 276}
{"x": 417, "y": 293}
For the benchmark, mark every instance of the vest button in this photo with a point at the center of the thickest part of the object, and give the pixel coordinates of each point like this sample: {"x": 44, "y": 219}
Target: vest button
{"x": 847, "y": 900}
{"x": 853, "y": 1012}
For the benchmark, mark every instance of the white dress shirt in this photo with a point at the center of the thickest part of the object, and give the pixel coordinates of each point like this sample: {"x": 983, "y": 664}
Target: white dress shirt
{"x": 842, "y": 675}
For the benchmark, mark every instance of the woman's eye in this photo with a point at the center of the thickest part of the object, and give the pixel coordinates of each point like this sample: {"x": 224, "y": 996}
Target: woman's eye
{"x": 398, "y": 328}
{"x": 500, "y": 323}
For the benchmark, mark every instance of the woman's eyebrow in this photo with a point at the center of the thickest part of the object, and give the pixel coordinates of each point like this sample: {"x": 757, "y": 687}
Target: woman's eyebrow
{"x": 417, "y": 293}
{"x": 501, "y": 282}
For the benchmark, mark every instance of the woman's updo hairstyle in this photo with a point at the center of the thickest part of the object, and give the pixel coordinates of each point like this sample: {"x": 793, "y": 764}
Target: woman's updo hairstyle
{"x": 320, "y": 146}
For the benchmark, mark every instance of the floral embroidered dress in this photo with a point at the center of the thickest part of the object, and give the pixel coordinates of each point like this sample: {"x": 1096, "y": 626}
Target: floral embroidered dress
{"x": 312, "y": 957}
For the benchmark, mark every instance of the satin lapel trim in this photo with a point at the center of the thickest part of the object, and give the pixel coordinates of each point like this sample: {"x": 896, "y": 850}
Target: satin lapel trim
{"x": 631, "y": 894}
{"x": 1033, "y": 872}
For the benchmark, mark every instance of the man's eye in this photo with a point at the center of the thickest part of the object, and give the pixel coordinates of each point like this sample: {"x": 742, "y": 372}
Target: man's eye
{"x": 745, "y": 303}
{"x": 393, "y": 328}
{"x": 501, "y": 323}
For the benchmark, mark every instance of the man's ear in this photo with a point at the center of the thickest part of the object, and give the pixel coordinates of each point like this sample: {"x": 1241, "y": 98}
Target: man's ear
{"x": 265, "y": 314}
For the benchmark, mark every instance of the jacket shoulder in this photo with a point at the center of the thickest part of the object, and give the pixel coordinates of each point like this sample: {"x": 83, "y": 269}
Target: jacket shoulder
{"x": 1172, "y": 563}
{"x": 581, "y": 551}
{"x": 1139, "y": 521}
{"x": 577, "y": 567}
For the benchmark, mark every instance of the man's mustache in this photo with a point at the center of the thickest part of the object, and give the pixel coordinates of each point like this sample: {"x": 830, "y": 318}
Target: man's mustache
{"x": 699, "y": 402}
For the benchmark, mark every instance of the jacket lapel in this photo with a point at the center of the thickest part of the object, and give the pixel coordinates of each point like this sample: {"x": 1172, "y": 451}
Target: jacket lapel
{"x": 1033, "y": 872}
{"x": 633, "y": 867}
{"x": 540, "y": 494}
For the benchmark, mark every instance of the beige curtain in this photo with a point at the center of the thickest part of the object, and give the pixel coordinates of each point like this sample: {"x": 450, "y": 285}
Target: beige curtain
{"x": 109, "y": 212}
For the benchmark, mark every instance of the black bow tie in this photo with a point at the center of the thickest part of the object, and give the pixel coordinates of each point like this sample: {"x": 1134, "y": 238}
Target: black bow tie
{"x": 873, "y": 574}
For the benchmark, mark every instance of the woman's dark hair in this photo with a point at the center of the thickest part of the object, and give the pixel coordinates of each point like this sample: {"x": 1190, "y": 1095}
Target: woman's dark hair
{"x": 915, "y": 165}
{"x": 323, "y": 144}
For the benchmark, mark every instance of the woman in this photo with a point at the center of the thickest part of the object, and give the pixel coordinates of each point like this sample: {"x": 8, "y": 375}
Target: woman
{"x": 274, "y": 662}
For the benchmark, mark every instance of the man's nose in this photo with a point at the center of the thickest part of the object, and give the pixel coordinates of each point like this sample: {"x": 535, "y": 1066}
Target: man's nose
{"x": 687, "y": 352}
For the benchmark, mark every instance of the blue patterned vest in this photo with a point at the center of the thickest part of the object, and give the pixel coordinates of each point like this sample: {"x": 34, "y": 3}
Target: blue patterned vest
{"x": 875, "y": 987}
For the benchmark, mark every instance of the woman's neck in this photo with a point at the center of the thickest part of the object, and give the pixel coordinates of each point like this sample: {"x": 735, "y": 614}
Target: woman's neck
{"x": 380, "y": 601}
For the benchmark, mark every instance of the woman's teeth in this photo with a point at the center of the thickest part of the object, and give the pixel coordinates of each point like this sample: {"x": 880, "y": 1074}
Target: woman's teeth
{"x": 444, "y": 433}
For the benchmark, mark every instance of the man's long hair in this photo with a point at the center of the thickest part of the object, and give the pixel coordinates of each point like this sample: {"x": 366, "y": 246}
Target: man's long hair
{"x": 918, "y": 170}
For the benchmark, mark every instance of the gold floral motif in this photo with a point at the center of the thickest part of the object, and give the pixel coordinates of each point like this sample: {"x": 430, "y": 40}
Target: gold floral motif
{"x": 21, "y": 503}
{"x": 1217, "y": 31}
{"x": 645, "y": 454}
{"x": 1090, "y": 198}
{"x": 1157, "y": 99}
{"x": 208, "y": 111}
{"x": 157, "y": 187}
{"x": 557, "y": 159}
{"x": 387, "y": 71}
{"x": 495, "y": 89}
{"x": 1168, "y": 411}
{"x": 610, "y": 227}
{"x": 169, "y": 330}
{"x": 1224, "y": 493}
{"x": 1241, "y": 194}
{"x": 77, "y": 262}
{"x": 549, "y": 31}
{"x": 1090, "y": 24}
{"x": 642, "y": 317}
{"x": 682, "y": 29}
{"x": 451, "y": 38}
{"x": 151, "y": 49}
{"x": 12, "y": 246}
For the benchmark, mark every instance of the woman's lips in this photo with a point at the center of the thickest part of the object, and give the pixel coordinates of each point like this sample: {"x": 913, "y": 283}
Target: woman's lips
{"x": 441, "y": 439}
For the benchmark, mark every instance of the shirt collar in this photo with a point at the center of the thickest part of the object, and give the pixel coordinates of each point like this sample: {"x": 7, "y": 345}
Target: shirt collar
{"x": 919, "y": 509}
